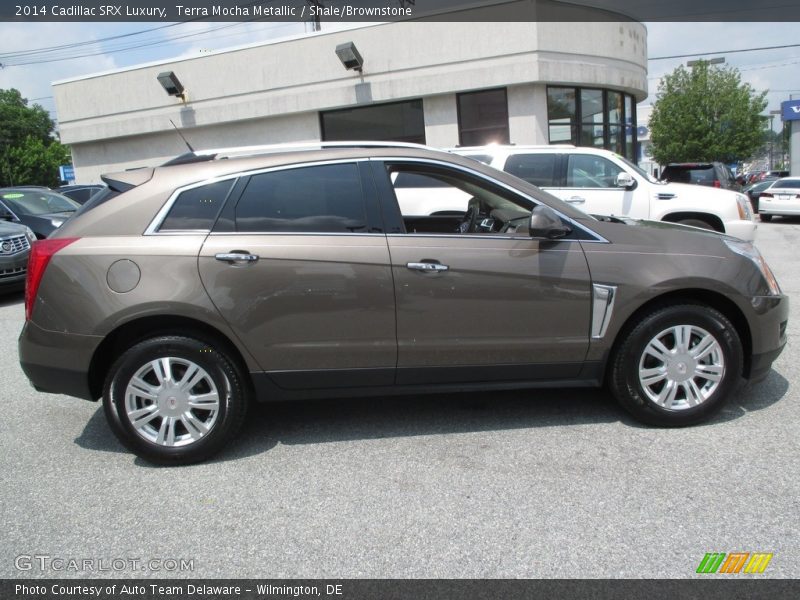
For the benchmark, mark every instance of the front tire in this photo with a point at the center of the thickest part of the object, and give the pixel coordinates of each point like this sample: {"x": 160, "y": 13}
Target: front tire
{"x": 765, "y": 218}
{"x": 174, "y": 400}
{"x": 677, "y": 366}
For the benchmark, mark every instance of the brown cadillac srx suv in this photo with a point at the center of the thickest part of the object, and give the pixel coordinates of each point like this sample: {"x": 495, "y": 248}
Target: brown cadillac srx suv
{"x": 184, "y": 292}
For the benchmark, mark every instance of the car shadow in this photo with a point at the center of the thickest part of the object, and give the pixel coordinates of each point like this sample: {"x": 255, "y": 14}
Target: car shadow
{"x": 776, "y": 219}
{"x": 348, "y": 419}
{"x": 11, "y": 298}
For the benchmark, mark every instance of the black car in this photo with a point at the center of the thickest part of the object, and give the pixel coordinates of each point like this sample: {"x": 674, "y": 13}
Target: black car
{"x": 80, "y": 193}
{"x": 15, "y": 246}
{"x": 714, "y": 174}
{"x": 41, "y": 209}
{"x": 754, "y": 190}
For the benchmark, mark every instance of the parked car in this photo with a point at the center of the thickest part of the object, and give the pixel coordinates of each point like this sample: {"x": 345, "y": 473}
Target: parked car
{"x": 604, "y": 183}
{"x": 42, "y": 210}
{"x": 195, "y": 288}
{"x": 714, "y": 174}
{"x": 15, "y": 245}
{"x": 754, "y": 190}
{"x": 773, "y": 174}
{"x": 781, "y": 198}
{"x": 80, "y": 193}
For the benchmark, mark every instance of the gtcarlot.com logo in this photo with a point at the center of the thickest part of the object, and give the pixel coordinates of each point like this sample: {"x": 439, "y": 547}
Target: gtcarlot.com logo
{"x": 735, "y": 562}
{"x": 47, "y": 562}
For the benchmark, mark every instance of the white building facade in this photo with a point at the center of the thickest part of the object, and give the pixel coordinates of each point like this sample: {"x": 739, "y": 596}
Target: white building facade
{"x": 442, "y": 84}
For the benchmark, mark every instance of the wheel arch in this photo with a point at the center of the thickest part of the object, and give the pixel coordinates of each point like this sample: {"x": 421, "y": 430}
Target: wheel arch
{"x": 691, "y": 296}
{"x": 132, "y": 332}
{"x": 713, "y": 220}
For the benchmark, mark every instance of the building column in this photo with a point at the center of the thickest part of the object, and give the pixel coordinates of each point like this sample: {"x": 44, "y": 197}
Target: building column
{"x": 527, "y": 114}
{"x": 441, "y": 120}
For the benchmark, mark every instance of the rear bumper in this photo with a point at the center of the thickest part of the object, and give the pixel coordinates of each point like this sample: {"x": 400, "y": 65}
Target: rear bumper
{"x": 55, "y": 362}
{"x": 770, "y": 206}
{"x": 745, "y": 230}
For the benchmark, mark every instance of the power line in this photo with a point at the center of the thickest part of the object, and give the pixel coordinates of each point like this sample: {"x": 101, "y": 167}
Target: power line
{"x": 58, "y": 52}
{"x": 46, "y": 49}
{"x": 725, "y": 52}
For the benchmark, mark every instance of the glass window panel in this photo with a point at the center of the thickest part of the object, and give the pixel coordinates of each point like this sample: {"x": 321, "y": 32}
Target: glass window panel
{"x": 483, "y": 118}
{"x": 398, "y": 121}
{"x": 614, "y": 107}
{"x": 325, "y": 198}
{"x": 592, "y": 106}
{"x": 587, "y": 171}
{"x": 592, "y": 136}
{"x": 616, "y": 141}
{"x": 538, "y": 169}
{"x": 561, "y": 110}
{"x": 197, "y": 208}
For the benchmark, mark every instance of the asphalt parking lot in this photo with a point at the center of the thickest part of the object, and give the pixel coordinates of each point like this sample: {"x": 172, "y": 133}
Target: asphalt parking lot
{"x": 557, "y": 483}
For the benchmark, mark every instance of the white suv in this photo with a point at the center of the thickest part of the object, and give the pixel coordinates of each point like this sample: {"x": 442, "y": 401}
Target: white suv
{"x": 605, "y": 183}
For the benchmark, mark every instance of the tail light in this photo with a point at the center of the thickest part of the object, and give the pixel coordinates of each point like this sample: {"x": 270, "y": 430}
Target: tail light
{"x": 766, "y": 195}
{"x": 41, "y": 253}
{"x": 717, "y": 183}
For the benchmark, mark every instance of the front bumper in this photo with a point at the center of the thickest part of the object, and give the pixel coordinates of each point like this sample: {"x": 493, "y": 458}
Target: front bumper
{"x": 12, "y": 271}
{"x": 57, "y": 362}
{"x": 742, "y": 229}
{"x": 768, "y": 325}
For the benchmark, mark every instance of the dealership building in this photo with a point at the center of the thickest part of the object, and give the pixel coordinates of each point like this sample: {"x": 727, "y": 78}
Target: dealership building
{"x": 437, "y": 83}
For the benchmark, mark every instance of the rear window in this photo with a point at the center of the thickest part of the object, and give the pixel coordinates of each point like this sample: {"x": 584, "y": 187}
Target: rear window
{"x": 695, "y": 174}
{"x": 197, "y": 208}
{"x": 104, "y": 195}
{"x": 538, "y": 169}
{"x": 787, "y": 183}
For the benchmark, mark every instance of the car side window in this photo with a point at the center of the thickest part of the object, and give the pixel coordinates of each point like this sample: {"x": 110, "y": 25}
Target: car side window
{"x": 538, "y": 169}
{"x": 197, "y": 208}
{"x": 447, "y": 201}
{"x": 589, "y": 171}
{"x": 316, "y": 199}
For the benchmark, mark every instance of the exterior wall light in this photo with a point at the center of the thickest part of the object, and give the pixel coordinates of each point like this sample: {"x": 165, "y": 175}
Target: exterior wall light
{"x": 349, "y": 56}
{"x": 172, "y": 85}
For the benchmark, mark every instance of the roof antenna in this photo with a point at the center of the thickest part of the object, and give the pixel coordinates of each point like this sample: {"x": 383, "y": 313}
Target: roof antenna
{"x": 188, "y": 145}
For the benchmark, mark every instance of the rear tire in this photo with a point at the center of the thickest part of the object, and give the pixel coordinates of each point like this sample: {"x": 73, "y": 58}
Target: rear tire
{"x": 765, "y": 218}
{"x": 175, "y": 400}
{"x": 677, "y": 366}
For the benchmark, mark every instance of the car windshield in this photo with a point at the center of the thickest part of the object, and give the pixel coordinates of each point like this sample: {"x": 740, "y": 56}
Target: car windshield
{"x": 37, "y": 202}
{"x": 638, "y": 169}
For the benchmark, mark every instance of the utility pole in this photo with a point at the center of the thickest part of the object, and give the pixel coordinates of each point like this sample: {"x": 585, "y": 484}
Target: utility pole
{"x": 316, "y": 22}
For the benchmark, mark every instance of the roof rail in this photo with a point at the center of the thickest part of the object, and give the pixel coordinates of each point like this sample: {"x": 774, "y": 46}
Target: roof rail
{"x": 219, "y": 153}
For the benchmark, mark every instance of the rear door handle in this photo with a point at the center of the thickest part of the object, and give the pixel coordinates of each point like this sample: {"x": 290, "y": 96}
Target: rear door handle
{"x": 576, "y": 200}
{"x": 429, "y": 267}
{"x": 236, "y": 256}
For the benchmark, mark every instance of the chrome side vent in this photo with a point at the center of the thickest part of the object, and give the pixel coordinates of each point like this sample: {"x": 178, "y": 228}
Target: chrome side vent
{"x": 602, "y": 306}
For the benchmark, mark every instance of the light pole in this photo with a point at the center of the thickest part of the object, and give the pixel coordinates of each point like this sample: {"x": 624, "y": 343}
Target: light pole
{"x": 772, "y": 114}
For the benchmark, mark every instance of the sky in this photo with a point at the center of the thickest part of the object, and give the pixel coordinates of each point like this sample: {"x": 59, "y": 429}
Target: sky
{"x": 775, "y": 70}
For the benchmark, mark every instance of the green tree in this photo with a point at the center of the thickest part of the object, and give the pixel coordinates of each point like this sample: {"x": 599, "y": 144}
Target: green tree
{"x": 706, "y": 113}
{"x": 29, "y": 154}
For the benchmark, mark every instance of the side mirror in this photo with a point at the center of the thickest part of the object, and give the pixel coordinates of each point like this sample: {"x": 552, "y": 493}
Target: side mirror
{"x": 625, "y": 180}
{"x": 546, "y": 224}
{"x": 5, "y": 215}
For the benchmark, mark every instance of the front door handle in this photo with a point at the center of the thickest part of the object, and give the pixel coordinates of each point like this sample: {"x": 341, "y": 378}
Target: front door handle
{"x": 576, "y": 200}
{"x": 428, "y": 267}
{"x": 236, "y": 256}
